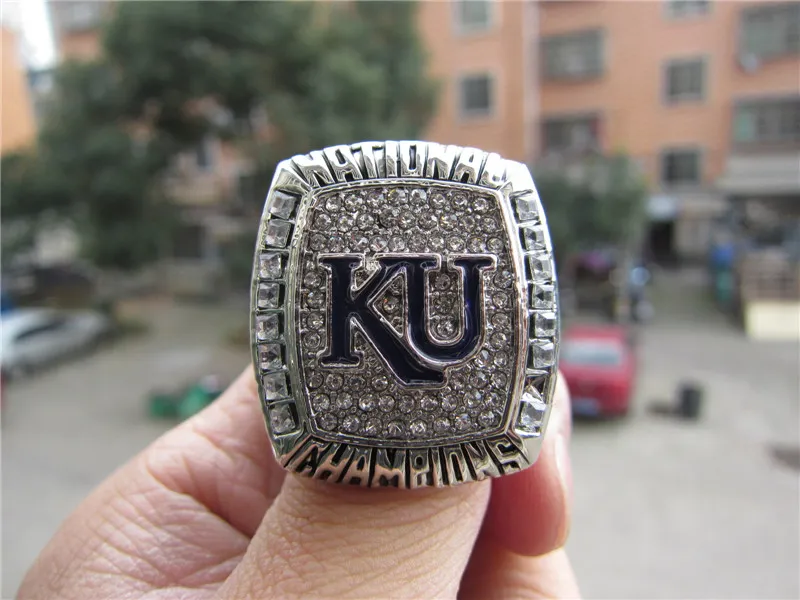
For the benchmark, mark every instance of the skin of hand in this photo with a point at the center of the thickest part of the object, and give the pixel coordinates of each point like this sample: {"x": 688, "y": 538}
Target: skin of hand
{"x": 206, "y": 512}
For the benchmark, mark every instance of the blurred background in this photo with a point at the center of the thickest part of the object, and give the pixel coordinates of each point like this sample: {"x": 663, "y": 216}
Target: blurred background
{"x": 138, "y": 142}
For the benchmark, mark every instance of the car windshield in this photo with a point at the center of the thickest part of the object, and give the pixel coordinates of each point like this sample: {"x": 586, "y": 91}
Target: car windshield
{"x": 591, "y": 352}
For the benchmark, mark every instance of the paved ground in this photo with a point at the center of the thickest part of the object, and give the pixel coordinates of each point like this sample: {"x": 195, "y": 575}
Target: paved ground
{"x": 662, "y": 509}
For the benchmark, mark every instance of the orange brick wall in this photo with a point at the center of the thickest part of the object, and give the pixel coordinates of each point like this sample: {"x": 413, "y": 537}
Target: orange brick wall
{"x": 17, "y": 125}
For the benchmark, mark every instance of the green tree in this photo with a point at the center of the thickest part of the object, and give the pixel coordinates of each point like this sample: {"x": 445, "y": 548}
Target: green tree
{"x": 601, "y": 207}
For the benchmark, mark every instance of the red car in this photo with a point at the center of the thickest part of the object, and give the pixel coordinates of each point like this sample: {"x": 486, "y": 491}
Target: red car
{"x": 600, "y": 368}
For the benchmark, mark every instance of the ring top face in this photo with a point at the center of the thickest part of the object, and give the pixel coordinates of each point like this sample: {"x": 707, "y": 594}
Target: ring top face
{"x": 404, "y": 317}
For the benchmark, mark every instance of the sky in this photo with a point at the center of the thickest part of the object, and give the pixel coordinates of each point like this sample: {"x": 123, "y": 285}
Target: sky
{"x": 32, "y": 19}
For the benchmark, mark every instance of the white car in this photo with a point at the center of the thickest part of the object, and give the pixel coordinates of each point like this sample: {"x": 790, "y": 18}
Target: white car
{"x": 35, "y": 337}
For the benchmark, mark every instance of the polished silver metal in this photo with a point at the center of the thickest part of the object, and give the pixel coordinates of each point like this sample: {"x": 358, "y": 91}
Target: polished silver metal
{"x": 404, "y": 315}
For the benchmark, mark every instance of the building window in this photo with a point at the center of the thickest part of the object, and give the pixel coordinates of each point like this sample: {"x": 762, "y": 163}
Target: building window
{"x": 680, "y": 167}
{"x": 771, "y": 31}
{"x": 573, "y": 56}
{"x": 473, "y": 16}
{"x": 476, "y": 96}
{"x": 770, "y": 121}
{"x": 571, "y": 135}
{"x": 681, "y": 9}
{"x": 685, "y": 80}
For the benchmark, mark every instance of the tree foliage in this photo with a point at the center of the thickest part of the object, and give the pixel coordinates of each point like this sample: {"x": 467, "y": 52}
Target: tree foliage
{"x": 172, "y": 73}
{"x": 602, "y": 207}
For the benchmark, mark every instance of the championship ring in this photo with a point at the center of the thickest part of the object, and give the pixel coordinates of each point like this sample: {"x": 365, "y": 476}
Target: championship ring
{"x": 404, "y": 315}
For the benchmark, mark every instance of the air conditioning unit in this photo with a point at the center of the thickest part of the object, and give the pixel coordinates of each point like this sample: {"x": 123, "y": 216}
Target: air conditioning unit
{"x": 749, "y": 62}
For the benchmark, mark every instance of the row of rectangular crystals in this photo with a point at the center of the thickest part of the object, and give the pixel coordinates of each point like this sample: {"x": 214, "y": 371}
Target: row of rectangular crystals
{"x": 543, "y": 322}
{"x": 269, "y": 326}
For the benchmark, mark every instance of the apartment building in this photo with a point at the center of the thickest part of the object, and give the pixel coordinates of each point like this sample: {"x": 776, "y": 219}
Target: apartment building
{"x": 704, "y": 96}
{"x": 17, "y": 127}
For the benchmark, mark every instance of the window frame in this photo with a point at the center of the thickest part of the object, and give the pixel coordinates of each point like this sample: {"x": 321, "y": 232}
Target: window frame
{"x": 564, "y": 37}
{"x": 753, "y": 11}
{"x": 571, "y": 118}
{"x": 760, "y": 102}
{"x": 670, "y": 13}
{"x": 662, "y": 166}
{"x": 685, "y": 98}
{"x": 462, "y": 29}
{"x": 472, "y": 115}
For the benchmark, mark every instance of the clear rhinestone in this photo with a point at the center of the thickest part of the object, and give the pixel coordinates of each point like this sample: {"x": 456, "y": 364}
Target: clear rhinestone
{"x": 463, "y": 422}
{"x": 533, "y": 237}
{"x": 527, "y": 208}
{"x": 386, "y": 403}
{"x": 406, "y": 404}
{"x": 372, "y": 427}
{"x": 277, "y": 234}
{"x": 351, "y": 424}
{"x": 438, "y": 200}
{"x": 442, "y": 425}
{"x": 484, "y": 358}
{"x": 267, "y": 328}
{"x": 495, "y": 244}
{"x": 405, "y": 220}
{"x": 395, "y": 429}
{"x": 365, "y": 221}
{"x": 317, "y": 241}
{"x": 474, "y": 398}
{"x": 449, "y": 402}
{"x": 311, "y": 340}
{"x": 270, "y": 357}
{"x": 455, "y": 244}
{"x": 419, "y": 197}
{"x": 541, "y": 267}
{"x": 375, "y": 199}
{"x": 380, "y": 383}
{"x": 427, "y": 221}
{"x": 443, "y": 303}
{"x": 416, "y": 243}
{"x": 378, "y": 243}
{"x": 320, "y": 402}
{"x": 398, "y": 196}
{"x": 315, "y": 299}
{"x": 466, "y": 223}
{"x": 489, "y": 224}
{"x": 442, "y": 281}
{"x": 269, "y": 295}
{"x": 281, "y": 419}
{"x": 334, "y": 204}
{"x": 282, "y": 205}
{"x": 476, "y": 244}
{"x": 275, "y": 386}
{"x": 501, "y": 320}
{"x": 544, "y": 324}
{"x": 389, "y": 216}
{"x": 390, "y": 304}
{"x": 418, "y": 428}
{"x": 355, "y": 383}
{"x": 345, "y": 222}
{"x": 428, "y": 403}
{"x": 499, "y": 380}
{"x": 445, "y": 329}
{"x": 499, "y": 340}
{"x": 367, "y": 403}
{"x": 531, "y": 411}
{"x": 500, "y": 299}
{"x": 500, "y": 359}
{"x": 487, "y": 418}
{"x": 358, "y": 241}
{"x": 327, "y": 421}
{"x": 543, "y": 354}
{"x": 480, "y": 379}
{"x": 315, "y": 381}
{"x": 504, "y": 279}
{"x": 448, "y": 221}
{"x": 353, "y": 202}
{"x": 336, "y": 243}
{"x": 480, "y": 204}
{"x": 312, "y": 279}
{"x": 457, "y": 381}
{"x": 270, "y": 266}
{"x": 334, "y": 381}
{"x": 436, "y": 241}
{"x": 396, "y": 244}
{"x": 323, "y": 221}
{"x": 544, "y": 296}
{"x": 315, "y": 320}
{"x": 344, "y": 401}
{"x": 459, "y": 201}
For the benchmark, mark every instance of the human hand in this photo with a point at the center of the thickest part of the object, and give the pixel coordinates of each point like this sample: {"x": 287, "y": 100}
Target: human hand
{"x": 206, "y": 512}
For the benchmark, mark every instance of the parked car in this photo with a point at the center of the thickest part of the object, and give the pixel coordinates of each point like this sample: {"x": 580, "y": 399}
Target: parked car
{"x": 33, "y": 337}
{"x": 599, "y": 365}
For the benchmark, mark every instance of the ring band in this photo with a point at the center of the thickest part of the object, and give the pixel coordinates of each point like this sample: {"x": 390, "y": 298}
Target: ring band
{"x": 404, "y": 315}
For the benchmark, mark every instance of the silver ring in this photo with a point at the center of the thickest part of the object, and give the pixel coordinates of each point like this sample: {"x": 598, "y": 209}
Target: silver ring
{"x": 404, "y": 315}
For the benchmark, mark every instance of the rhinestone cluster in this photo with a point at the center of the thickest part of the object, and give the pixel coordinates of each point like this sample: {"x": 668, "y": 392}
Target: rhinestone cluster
{"x": 368, "y": 402}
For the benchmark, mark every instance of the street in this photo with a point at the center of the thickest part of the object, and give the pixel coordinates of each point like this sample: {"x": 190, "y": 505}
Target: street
{"x": 663, "y": 508}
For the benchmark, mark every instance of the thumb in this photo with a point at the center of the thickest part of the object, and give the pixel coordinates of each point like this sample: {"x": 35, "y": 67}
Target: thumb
{"x": 328, "y": 541}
